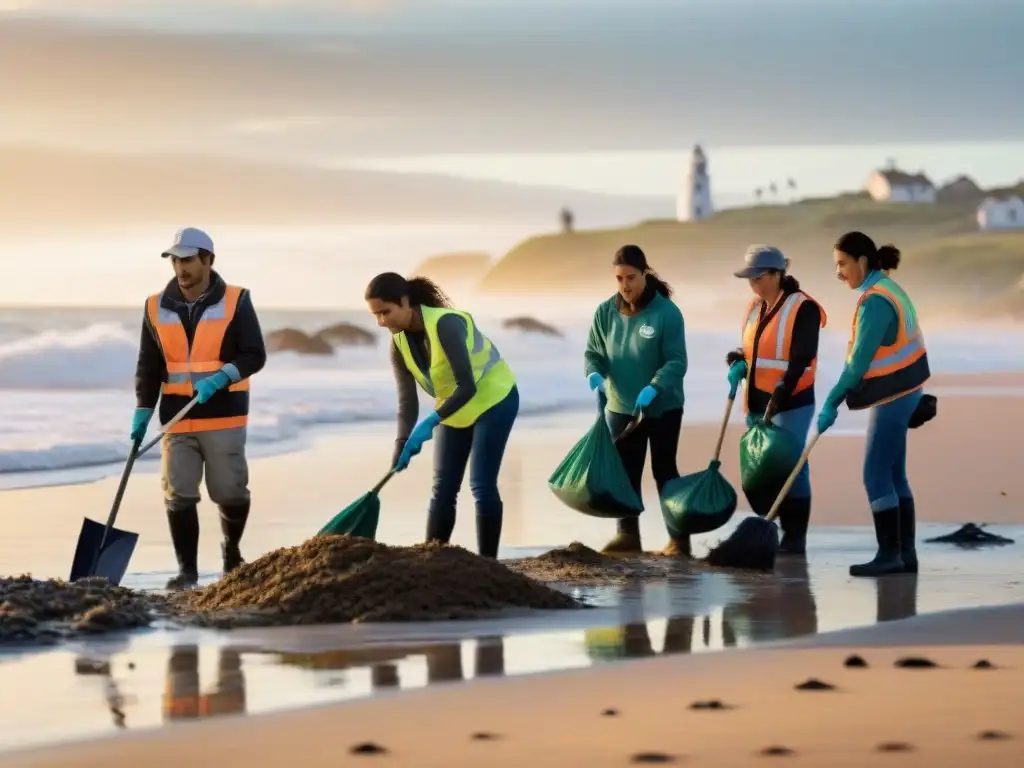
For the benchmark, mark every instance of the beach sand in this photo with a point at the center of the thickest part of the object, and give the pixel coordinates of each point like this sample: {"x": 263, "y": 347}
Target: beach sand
{"x": 642, "y": 712}
{"x": 963, "y": 465}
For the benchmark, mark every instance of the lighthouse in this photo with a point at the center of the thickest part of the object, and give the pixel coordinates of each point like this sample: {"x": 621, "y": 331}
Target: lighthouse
{"x": 694, "y": 203}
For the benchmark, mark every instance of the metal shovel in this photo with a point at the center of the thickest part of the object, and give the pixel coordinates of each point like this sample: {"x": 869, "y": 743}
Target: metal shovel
{"x": 102, "y": 549}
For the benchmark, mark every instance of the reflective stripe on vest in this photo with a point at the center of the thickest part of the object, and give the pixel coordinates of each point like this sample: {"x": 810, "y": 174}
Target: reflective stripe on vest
{"x": 188, "y": 364}
{"x": 895, "y": 369}
{"x": 774, "y": 345}
{"x": 494, "y": 379}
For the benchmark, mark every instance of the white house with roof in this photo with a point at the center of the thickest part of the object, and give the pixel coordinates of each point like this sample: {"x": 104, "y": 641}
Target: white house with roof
{"x": 894, "y": 186}
{"x": 1001, "y": 213}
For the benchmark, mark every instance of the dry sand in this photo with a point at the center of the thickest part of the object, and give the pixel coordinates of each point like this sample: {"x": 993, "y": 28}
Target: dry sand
{"x": 736, "y": 708}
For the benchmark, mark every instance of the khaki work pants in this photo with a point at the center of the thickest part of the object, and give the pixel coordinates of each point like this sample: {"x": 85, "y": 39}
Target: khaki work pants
{"x": 220, "y": 452}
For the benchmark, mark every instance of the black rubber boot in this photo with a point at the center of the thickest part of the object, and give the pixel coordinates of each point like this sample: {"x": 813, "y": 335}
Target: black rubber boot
{"x": 887, "y": 560}
{"x": 908, "y": 533}
{"x": 440, "y": 523}
{"x": 184, "y": 524}
{"x": 488, "y": 531}
{"x": 794, "y": 517}
{"x": 627, "y": 540}
{"x": 232, "y": 525}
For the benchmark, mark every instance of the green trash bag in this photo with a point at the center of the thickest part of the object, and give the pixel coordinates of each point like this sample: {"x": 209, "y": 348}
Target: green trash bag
{"x": 360, "y": 518}
{"x": 697, "y": 503}
{"x": 592, "y": 478}
{"x": 768, "y": 454}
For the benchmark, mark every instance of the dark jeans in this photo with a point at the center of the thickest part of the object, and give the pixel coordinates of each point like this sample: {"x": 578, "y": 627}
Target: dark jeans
{"x": 885, "y": 455}
{"x": 662, "y": 433}
{"x": 482, "y": 447}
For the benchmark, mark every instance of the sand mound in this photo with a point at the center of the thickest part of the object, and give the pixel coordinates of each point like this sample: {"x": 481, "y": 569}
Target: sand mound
{"x": 579, "y": 564}
{"x": 349, "y": 579}
{"x": 34, "y": 611}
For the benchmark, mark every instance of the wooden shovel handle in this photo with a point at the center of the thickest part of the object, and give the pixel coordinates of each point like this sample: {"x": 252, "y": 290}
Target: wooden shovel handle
{"x": 774, "y": 511}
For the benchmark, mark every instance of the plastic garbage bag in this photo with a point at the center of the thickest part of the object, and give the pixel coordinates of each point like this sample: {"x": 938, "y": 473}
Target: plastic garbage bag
{"x": 592, "y": 478}
{"x": 697, "y": 503}
{"x": 768, "y": 454}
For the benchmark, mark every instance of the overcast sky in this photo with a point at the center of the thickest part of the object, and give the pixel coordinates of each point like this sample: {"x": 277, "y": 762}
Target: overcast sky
{"x": 399, "y": 77}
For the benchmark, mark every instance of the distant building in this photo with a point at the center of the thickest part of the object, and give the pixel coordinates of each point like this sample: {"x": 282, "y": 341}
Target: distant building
{"x": 1001, "y": 213}
{"x": 893, "y": 186}
{"x": 960, "y": 188}
{"x": 694, "y": 201}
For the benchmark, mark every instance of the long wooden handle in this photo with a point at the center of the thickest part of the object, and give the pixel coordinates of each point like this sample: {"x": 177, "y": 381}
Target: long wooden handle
{"x": 725, "y": 426}
{"x": 774, "y": 511}
{"x": 383, "y": 482}
{"x": 166, "y": 427}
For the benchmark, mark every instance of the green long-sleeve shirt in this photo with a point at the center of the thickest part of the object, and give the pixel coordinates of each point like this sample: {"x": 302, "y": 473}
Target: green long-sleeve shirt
{"x": 877, "y": 325}
{"x": 632, "y": 351}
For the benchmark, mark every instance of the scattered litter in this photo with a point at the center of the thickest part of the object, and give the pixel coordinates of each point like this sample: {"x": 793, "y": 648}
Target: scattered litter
{"x": 34, "y": 611}
{"x": 814, "y": 684}
{"x": 915, "y": 662}
{"x": 971, "y": 535}
{"x": 345, "y": 579}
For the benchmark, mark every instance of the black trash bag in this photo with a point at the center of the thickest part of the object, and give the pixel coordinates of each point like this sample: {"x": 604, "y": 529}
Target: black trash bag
{"x": 592, "y": 479}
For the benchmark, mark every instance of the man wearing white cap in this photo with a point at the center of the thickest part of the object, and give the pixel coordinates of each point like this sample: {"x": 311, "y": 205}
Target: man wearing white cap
{"x": 200, "y": 338}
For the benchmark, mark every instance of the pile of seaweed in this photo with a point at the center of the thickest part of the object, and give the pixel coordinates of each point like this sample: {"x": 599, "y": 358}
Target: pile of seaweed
{"x": 331, "y": 579}
{"x": 579, "y": 564}
{"x": 33, "y": 611}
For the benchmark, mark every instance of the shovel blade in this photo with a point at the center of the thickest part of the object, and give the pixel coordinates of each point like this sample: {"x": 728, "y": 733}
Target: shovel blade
{"x": 112, "y": 562}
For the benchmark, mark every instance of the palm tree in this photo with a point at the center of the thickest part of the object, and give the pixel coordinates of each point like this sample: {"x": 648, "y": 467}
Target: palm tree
{"x": 759, "y": 193}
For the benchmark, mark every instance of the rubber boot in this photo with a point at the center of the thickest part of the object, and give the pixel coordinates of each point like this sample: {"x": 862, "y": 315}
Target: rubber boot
{"x": 887, "y": 560}
{"x": 184, "y": 524}
{"x": 794, "y": 517}
{"x": 488, "y": 531}
{"x": 627, "y": 540}
{"x": 678, "y": 547}
{"x": 908, "y": 532}
{"x": 232, "y": 525}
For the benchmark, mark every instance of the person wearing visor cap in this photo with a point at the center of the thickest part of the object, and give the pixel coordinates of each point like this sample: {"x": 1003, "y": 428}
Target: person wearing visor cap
{"x": 778, "y": 361}
{"x": 201, "y": 339}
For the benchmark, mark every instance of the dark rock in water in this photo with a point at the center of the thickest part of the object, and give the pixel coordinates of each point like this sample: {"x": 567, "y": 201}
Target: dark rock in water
{"x": 530, "y": 325}
{"x": 814, "y": 684}
{"x": 971, "y": 535}
{"x": 855, "y": 661}
{"x": 346, "y": 335}
{"x": 915, "y": 662}
{"x": 294, "y": 340}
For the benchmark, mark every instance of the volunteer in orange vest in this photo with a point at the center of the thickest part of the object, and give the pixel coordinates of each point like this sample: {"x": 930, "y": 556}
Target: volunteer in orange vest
{"x": 200, "y": 337}
{"x": 886, "y": 368}
{"x": 778, "y": 360}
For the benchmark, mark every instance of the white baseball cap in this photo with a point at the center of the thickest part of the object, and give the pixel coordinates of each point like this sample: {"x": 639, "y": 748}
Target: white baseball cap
{"x": 188, "y": 242}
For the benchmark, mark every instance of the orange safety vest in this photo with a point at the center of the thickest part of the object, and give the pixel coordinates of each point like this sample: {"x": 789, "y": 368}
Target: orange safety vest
{"x": 186, "y": 365}
{"x": 771, "y": 360}
{"x": 896, "y": 369}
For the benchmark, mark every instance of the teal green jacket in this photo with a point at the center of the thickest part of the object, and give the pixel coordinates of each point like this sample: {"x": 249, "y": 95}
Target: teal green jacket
{"x": 877, "y": 325}
{"x": 632, "y": 351}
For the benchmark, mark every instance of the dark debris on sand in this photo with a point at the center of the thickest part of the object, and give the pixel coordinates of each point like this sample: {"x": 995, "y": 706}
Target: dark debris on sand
{"x": 342, "y": 579}
{"x": 34, "y": 611}
{"x": 579, "y": 564}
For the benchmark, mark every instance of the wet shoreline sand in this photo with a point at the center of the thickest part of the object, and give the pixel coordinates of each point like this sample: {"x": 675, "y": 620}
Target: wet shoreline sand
{"x": 661, "y": 710}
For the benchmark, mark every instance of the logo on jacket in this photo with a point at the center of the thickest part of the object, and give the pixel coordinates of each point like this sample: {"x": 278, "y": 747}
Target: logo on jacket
{"x": 647, "y": 331}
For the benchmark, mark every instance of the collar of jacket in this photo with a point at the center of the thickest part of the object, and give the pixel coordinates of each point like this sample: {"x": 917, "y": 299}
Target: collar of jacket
{"x": 172, "y": 298}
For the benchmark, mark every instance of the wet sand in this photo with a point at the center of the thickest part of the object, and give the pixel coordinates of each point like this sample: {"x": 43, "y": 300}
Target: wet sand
{"x": 807, "y": 701}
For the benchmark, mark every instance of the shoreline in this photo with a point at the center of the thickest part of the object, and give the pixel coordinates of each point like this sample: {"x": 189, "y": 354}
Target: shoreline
{"x": 558, "y": 718}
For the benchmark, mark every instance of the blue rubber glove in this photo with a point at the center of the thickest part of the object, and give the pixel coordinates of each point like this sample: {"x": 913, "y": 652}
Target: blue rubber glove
{"x": 140, "y": 421}
{"x": 420, "y": 434}
{"x": 826, "y": 417}
{"x": 596, "y": 382}
{"x": 647, "y": 394}
{"x": 208, "y": 387}
{"x": 737, "y": 373}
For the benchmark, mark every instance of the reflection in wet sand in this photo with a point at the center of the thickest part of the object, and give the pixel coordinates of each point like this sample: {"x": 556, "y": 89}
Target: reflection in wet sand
{"x": 183, "y": 697}
{"x": 777, "y": 609}
{"x": 896, "y": 597}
